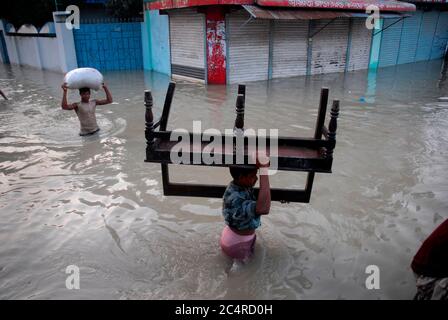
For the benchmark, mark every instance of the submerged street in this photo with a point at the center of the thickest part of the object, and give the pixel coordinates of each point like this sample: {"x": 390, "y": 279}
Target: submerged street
{"x": 94, "y": 203}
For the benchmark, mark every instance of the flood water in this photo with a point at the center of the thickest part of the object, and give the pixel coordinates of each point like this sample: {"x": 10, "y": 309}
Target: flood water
{"x": 94, "y": 203}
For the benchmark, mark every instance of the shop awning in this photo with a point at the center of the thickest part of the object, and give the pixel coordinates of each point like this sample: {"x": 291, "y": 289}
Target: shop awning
{"x": 360, "y": 5}
{"x": 299, "y": 14}
{"x": 382, "y": 5}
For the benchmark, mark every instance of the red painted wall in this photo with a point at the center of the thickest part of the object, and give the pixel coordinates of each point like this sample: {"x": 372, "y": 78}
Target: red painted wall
{"x": 216, "y": 45}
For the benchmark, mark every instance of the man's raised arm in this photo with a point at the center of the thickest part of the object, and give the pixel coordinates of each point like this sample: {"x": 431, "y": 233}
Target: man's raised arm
{"x": 108, "y": 97}
{"x": 64, "y": 103}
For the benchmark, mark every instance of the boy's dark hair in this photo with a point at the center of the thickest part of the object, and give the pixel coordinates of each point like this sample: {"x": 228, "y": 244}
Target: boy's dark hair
{"x": 236, "y": 171}
{"x": 82, "y": 90}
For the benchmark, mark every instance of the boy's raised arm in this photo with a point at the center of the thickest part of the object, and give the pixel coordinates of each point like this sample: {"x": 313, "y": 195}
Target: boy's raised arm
{"x": 64, "y": 103}
{"x": 108, "y": 97}
{"x": 263, "y": 205}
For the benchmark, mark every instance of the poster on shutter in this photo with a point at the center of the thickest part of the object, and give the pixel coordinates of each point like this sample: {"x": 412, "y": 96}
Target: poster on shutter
{"x": 216, "y": 49}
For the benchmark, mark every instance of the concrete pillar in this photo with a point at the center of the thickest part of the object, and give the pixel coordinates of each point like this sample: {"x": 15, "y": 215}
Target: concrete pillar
{"x": 376, "y": 45}
{"x": 66, "y": 42}
{"x": 146, "y": 41}
{"x": 3, "y": 49}
{"x": 159, "y": 38}
{"x": 10, "y": 45}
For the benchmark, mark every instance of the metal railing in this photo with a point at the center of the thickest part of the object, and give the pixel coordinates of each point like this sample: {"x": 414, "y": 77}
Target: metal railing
{"x": 110, "y": 20}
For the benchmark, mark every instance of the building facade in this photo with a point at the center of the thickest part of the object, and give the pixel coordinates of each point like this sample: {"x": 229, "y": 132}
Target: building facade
{"x": 230, "y": 41}
{"x": 101, "y": 41}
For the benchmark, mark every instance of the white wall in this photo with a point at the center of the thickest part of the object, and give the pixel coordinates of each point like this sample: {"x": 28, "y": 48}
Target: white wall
{"x": 66, "y": 42}
{"x": 49, "y": 54}
{"x": 12, "y": 50}
{"x": 28, "y": 50}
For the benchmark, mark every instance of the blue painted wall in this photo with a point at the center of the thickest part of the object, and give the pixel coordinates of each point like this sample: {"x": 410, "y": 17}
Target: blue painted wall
{"x": 440, "y": 36}
{"x": 421, "y": 37}
{"x": 427, "y": 29}
{"x": 109, "y": 46}
{"x": 159, "y": 35}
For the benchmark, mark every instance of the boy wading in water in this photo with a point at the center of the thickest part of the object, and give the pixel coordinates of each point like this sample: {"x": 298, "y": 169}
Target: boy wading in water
{"x": 242, "y": 211}
{"x": 85, "y": 109}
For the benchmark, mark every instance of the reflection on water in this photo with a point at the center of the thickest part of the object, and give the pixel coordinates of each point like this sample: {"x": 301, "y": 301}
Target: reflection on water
{"x": 94, "y": 203}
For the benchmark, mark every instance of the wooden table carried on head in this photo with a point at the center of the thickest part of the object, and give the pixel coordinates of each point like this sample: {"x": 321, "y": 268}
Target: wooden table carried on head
{"x": 309, "y": 155}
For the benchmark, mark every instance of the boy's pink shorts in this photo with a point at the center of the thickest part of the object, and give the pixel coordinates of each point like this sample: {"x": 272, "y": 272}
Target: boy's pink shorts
{"x": 237, "y": 246}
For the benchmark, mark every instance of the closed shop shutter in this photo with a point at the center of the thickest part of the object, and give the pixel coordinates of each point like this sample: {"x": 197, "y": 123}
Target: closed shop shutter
{"x": 426, "y": 36}
{"x": 361, "y": 39}
{"x": 289, "y": 48}
{"x": 409, "y": 38}
{"x": 248, "y": 48}
{"x": 187, "y": 38}
{"x": 440, "y": 36}
{"x": 390, "y": 43}
{"x": 329, "y": 49}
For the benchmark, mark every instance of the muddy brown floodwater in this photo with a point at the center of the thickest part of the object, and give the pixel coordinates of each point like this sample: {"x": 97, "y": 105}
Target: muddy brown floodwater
{"x": 93, "y": 202}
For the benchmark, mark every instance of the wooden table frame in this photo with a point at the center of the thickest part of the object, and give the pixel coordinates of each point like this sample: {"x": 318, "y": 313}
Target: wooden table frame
{"x": 309, "y": 155}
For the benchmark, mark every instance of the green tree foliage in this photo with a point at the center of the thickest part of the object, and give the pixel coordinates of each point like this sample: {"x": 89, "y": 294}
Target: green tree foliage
{"x": 124, "y": 8}
{"x": 36, "y": 12}
{"x": 20, "y": 12}
{"x": 39, "y": 12}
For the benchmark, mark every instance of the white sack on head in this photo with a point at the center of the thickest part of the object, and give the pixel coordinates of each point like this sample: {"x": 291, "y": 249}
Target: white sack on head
{"x": 84, "y": 78}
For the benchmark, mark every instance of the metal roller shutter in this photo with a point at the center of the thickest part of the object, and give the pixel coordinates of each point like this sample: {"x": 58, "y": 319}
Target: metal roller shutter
{"x": 289, "y": 48}
{"x": 187, "y": 38}
{"x": 329, "y": 49}
{"x": 409, "y": 38}
{"x": 390, "y": 43}
{"x": 248, "y": 48}
{"x": 440, "y": 36}
{"x": 361, "y": 39}
{"x": 426, "y": 35}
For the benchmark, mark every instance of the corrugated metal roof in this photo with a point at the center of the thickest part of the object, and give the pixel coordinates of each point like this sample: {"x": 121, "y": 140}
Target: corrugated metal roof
{"x": 300, "y": 14}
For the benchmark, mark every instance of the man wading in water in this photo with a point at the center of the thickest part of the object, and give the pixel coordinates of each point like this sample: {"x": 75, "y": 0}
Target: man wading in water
{"x": 85, "y": 109}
